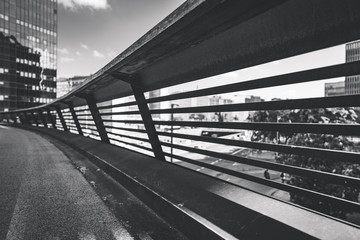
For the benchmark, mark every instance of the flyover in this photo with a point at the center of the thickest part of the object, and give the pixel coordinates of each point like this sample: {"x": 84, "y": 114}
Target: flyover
{"x": 202, "y": 39}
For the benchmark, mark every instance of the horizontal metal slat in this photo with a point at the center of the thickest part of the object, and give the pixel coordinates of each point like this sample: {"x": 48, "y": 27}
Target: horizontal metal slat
{"x": 129, "y": 136}
{"x": 340, "y": 70}
{"x": 338, "y": 101}
{"x": 131, "y": 144}
{"x": 336, "y": 129}
{"x": 353, "y": 157}
{"x": 341, "y": 203}
{"x": 127, "y": 129}
{"x": 119, "y": 105}
{"x": 120, "y": 113}
{"x": 334, "y": 178}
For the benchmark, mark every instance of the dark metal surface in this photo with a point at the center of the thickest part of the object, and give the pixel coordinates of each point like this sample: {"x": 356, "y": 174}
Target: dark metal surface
{"x": 97, "y": 118}
{"x": 61, "y": 118}
{"x": 148, "y": 123}
{"x": 42, "y": 118}
{"x": 336, "y": 129}
{"x": 51, "y": 117}
{"x": 75, "y": 119}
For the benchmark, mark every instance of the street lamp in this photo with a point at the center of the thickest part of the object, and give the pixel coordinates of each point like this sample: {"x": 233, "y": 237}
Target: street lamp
{"x": 172, "y": 128}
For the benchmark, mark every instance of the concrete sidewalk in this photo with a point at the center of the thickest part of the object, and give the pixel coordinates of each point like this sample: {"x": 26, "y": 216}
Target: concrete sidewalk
{"x": 51, "y": 199}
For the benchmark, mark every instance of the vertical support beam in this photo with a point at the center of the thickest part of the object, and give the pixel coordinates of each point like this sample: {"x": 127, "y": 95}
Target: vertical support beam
{"x": 97, "y": 118}
{"x": 76, "y": 121}
{"x": 13, "y": 117}
{"x": 34, "y": 119}
{"x": 26, "y": 118}
{"x": 53, "y": 123}
{"x": 148, "y": 122}
{"x": 61, "y": 117}
{"x": 41, "y": 115}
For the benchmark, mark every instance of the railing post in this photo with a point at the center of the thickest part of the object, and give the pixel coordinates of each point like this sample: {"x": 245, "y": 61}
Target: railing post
{"x": 97, "y": 118}
{"x": 34, "y": 119}
{"x": 53, "y": 123}
{"x": 148, "y": 122}
{"x": 27, "y": 118}
{"x": 61, "y": 117}
{"x": 42, "y": 118}
{"x": 76, "y": 121}
{"x": 13, "y": 117}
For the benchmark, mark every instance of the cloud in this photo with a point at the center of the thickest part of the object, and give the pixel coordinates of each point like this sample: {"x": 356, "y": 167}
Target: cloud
{"x": 66, "y": 59}
{"x": 63, "y": 50}
{"x": 84, "y": 45}
{"x": 92, "y": 4}
{"x": 78, "y": 53}
{"x": 98, "y": 54}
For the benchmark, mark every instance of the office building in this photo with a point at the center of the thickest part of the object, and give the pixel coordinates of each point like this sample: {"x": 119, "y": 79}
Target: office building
{"x": 352, "y": 83}
{"x": 334, "y": 89}
{"x": 65, "y": 85}
{"x": 28, "y": 45}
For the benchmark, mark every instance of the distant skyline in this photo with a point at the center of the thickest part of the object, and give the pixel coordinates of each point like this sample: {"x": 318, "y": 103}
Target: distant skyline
{"x": 92, "y": 32}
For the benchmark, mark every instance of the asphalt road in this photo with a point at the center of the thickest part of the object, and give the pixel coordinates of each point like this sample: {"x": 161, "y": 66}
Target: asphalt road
{"x": 42, "y": 195}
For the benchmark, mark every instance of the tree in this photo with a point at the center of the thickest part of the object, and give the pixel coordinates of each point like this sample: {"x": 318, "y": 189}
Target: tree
{"x": 325, "y": 141}
{"x": 197, "y": 116}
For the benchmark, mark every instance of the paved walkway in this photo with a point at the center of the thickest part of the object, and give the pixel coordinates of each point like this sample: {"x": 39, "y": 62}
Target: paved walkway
{"x": 44, "y": 197}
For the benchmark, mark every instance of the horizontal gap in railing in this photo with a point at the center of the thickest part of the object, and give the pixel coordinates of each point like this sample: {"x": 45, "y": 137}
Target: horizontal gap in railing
{"x": 118, "y": 105}
{"x": 339, "y": 101}
{"x": 336, "y": 129}
{"x": 120, "y": 113}
{"x": 340, "y": 70}
{"x": 334, "y": 178}
{"x": 83, "y": 115}
{"x": 124, "y": 121}
{"x": 85, "y": 120}
{"x": 131, "y": 144}
{"x": 339, "y": 202}
{"x": 130, "y": 137}
{"x": 345, "y": 156}
{"x": 127, "y": 129}
{"x": 87, "y": 124}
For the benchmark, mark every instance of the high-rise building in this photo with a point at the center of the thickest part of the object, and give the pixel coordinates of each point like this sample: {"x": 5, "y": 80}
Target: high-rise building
{"x": 334, "y": 89}
{"x": 28, "y": 45}
{"x": 65, "y": 85}
{"x": 352, "y": 83}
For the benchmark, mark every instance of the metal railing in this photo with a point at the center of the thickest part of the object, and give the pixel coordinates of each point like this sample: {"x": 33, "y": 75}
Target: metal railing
{"x": 112, "y": 105}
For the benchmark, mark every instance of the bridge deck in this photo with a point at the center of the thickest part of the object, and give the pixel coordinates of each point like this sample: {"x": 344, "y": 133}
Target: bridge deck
{"x": 43, "y": 196}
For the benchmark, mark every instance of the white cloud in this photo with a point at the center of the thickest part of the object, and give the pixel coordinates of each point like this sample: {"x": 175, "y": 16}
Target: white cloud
{"x": 98, "y": 54}
{"x": 84, "y": 46}
{"x": 66, "y": 59}
{"x": 78, "y": 53}
{"x": 92, "y": 4}
{"x": 63, "y": 50}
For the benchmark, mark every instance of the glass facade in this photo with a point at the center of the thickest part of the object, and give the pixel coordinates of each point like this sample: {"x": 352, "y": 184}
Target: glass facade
{"x": 352, "y": 83}
{"x": 28, "y": 46}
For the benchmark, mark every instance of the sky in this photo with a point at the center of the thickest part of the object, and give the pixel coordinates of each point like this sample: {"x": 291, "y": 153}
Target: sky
{"x": 92, "y": 32}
